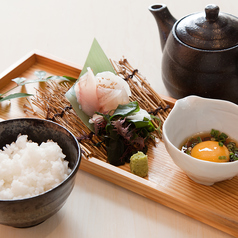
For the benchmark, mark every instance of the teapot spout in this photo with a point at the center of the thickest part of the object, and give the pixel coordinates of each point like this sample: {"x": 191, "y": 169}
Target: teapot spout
{"x": 164, "y": 19}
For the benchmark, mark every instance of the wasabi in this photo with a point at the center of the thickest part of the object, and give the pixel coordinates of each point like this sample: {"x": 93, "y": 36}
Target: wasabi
{"x": 139, "y": 164}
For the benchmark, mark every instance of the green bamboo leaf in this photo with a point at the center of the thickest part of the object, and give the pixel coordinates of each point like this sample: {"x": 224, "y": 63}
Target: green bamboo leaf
{"x": 98, "y": 62}
{"x": 15, "y": 95}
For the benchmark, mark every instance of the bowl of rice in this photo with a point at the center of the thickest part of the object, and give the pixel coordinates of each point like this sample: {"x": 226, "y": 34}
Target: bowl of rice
{"x": 39, "y": 160}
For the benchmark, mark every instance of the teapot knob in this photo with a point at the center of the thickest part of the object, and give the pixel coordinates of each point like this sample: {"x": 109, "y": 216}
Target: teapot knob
{"x": 212, "y": 12}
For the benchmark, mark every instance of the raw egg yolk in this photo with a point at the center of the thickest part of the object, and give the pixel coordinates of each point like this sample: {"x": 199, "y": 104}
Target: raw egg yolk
{"x": 210, "y": 151}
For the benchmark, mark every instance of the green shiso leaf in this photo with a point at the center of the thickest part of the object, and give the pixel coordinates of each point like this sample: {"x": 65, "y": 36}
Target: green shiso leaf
{"x": 98, "y": 62}
{"x": 125, "y": 110}
{"x": 144, "y": 124}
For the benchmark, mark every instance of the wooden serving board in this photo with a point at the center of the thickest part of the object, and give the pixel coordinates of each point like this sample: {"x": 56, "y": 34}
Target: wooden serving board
{"x": 216, "y": 205}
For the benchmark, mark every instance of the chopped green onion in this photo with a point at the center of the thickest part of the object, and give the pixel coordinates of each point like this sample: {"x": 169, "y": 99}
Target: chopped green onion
{"x": 223, "y": 157}
{"x": 220, "y": 143}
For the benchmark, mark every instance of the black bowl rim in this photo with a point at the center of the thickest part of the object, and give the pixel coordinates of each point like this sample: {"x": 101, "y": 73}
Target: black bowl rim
{"x": 72, "y": 173}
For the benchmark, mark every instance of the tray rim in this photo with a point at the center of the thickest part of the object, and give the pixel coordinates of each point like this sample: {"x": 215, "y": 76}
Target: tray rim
{"x": 107, "y": 171}
{"x": 28, "y": 60}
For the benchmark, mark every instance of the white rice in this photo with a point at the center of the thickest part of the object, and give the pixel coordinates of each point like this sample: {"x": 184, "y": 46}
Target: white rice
{"x": 28, "y": 169}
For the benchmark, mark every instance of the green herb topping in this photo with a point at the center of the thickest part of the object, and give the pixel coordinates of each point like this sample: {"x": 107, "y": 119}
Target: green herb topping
{"x": 220, "y": 137}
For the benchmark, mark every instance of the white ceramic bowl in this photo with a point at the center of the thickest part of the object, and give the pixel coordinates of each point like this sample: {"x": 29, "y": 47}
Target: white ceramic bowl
{"x": 192, "y": 115}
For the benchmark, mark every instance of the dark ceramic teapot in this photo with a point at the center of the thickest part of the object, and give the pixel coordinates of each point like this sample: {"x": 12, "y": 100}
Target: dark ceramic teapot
{"x": 200, "y": 53}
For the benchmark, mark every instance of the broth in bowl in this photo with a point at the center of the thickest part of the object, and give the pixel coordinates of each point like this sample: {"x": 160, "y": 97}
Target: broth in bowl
{"x": 213, "y": 146}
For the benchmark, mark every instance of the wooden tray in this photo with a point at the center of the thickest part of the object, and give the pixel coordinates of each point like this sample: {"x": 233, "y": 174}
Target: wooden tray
{"x": 216, "y": 206}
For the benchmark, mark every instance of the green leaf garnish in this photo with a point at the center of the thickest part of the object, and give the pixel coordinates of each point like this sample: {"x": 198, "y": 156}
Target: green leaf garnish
{"x": 126, "y": 110}
{"x": 15, "y": 95}
{"x": 146, "y": 124}
{"x": 21, "y": 81}
{"x": 97, "y": 60}
{"x": 40, "y": 74}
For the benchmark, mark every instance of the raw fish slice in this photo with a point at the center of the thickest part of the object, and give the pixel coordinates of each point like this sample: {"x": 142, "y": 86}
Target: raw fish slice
{"x": 112, "y": 90}
{"x": 110, "y": 98}
{"x": 81, "y": 81}
{"x": 86, "y": 94}
{"x": 110, "y": 80}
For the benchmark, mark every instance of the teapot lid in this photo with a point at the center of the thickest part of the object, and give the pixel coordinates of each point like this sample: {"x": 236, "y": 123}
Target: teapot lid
{"x": 209, "y": 30}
